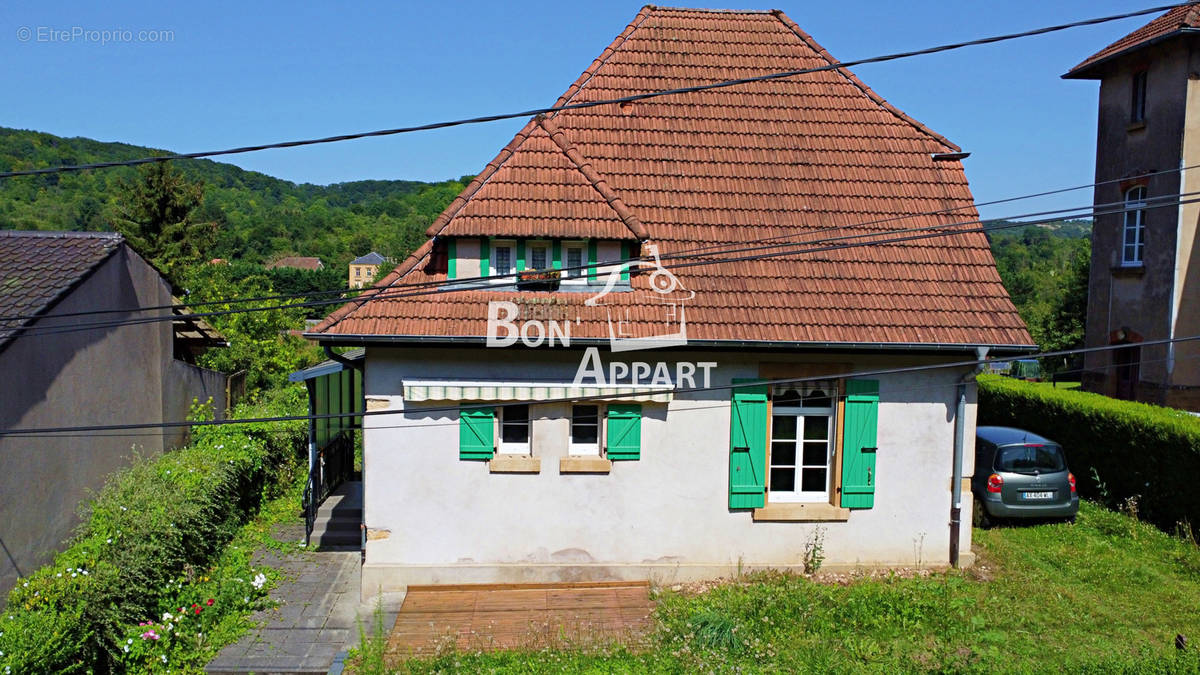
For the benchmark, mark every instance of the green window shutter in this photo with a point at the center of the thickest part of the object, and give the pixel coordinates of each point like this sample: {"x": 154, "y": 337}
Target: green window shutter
{"x": 859, "y": 435}
{"x": 321, "y": 407}
{"x": 475, "y": 433}
{"x": 451, "y": 259}
{"x": 520, "y": 254}
{"x": 485, "y": 257}
{"x": 748, "y": 447}
{"x": 556, "y": 252}
{"x": 626, "y": 247}
{"x": 359, "y": 402}
{"x": 624, "y": 431}
{"x": 591, "y": 270}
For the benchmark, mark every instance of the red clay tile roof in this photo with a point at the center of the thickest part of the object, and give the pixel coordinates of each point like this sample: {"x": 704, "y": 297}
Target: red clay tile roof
{"x": 1171, "y": 23}
{"x": 809, "y": 157}
{"x": 298, "y": 262}
{"x": 37, "y": 269}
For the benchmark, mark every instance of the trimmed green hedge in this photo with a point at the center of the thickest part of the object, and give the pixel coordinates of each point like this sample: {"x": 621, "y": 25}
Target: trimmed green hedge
{"x": 1136, "y": 448}
{"x": 153, "y": 523}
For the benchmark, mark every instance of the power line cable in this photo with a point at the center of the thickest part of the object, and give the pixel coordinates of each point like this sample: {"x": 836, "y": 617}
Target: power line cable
{"x": 922, "y": 387}
{"x": 401, "y": 291}
{"x": 592, "y": 104}
{"x": 673, "y": 254}
{"x": 596, "y": 397}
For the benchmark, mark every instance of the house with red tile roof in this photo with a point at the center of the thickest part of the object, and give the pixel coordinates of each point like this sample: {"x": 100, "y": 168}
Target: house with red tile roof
{"x": 667, "y": 339}
{"x": 1144, "y": 280}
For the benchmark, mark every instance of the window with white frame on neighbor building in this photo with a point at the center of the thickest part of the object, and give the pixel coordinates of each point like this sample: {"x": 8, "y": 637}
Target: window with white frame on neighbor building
{"x": 1133, "y": 240}
{"x": 802, "y": 443}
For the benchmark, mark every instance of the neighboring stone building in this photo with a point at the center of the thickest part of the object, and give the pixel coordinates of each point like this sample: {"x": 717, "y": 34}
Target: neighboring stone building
{"x": 62, "y": 368}
{"x": 526, "y": 460}
{"x": 363, "y": 270}
{"x": 1145, "y": 273}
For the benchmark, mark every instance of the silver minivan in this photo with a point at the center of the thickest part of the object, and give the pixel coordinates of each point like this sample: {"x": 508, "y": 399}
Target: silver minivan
{"x": 1019, "y": 474}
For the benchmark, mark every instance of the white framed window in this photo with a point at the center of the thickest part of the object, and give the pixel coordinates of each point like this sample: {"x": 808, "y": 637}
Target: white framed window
{"x": 585, "y": 430}
{"x": 800, "y": 468}
{"x": 514, "y": 430}
{"x": 538, "y": 255}
{"x": 1133, "y": 241}
{"x": 574, "y": 258}
{"x": 503, "y": 261}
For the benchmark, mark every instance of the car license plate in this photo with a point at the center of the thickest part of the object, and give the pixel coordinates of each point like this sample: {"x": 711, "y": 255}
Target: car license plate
{"x": 1037, "y": 495}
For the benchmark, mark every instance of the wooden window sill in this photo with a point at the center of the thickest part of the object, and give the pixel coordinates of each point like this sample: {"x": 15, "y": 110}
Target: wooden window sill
{"x": 583, "y": 464}
{"x": 515, "y": 464}
{"x": 801, "y": 512}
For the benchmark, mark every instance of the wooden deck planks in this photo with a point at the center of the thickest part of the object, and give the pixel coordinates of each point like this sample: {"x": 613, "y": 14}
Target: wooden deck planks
{"x": 507, "y": 616}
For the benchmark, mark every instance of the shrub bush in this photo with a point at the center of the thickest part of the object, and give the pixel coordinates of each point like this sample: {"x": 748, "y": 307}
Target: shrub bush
{"x": 1137, "y": 450}
{"x": 156, "y": 522}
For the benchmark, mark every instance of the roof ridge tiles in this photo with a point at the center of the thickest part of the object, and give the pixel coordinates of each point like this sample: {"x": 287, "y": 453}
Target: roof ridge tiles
{"x": 585, "y": 167}
{"x": 870, "y": 93}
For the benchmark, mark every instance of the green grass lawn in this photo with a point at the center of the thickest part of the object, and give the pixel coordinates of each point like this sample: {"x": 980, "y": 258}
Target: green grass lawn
{"x": 1108, "y": 594}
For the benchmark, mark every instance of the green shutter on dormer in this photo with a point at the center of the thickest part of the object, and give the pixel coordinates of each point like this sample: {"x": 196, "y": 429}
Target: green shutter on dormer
{"x": 476, "y": 433}
{"x": 591, "y": 260}
{"x": 520, "y": 254}
{"x": 556, "y": 252}
{"x": 485, "y": 257}
{"x": 452, "y": 259}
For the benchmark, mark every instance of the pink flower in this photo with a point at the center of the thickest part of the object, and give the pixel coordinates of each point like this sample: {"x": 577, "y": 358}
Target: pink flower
{"x": 149, "y": 635}
{"x": 210, "y": 602}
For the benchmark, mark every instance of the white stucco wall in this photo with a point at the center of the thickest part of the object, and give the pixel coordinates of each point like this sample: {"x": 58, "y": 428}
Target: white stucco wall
{"x": 435, "y": 519}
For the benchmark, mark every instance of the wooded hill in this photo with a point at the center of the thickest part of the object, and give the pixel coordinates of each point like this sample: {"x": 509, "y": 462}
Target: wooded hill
{"x": 259, "y": 218}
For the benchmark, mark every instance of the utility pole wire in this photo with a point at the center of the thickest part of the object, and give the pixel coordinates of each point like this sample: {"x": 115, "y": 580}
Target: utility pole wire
{"x": 401, "y": 291}
{"x": 591, "y": 104}
{"x": 597, "y": 397}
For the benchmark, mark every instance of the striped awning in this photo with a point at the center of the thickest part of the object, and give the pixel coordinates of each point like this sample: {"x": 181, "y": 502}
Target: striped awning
{"x": 462, "y": 390}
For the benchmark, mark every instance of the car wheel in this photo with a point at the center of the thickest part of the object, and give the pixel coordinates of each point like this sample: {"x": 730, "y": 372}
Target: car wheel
{"x": 979, "y": 516}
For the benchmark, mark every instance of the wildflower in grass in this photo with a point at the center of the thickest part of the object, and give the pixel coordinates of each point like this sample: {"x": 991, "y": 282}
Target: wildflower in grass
{"x": 210, "y": 602}
{"x": 150, "y": 635}
{"x": 164, "y": 658}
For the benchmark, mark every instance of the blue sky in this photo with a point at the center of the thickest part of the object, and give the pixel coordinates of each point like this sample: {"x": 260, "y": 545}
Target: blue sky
{"x": 236, "y": 73}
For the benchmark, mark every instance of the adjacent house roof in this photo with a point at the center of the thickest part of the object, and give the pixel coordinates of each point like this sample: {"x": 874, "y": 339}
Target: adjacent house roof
{"x": 37, "y": 269}
{"x": 1177, "y": 21}
{"x": 371, "y": 258}
{"x": 809, "y": 158}
{"x": 298, "y": 262}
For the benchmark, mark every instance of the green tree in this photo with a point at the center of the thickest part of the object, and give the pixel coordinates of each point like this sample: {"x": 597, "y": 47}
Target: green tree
{"x": 259, "y": 342}
{"x": 156, "y": 216}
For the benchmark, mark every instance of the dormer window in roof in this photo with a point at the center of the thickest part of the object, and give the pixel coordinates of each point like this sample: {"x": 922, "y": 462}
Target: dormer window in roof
{"x": 505, "y": 261}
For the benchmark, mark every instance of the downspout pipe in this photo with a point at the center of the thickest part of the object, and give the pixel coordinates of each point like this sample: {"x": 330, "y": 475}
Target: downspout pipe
{"x": 960, "y": 439}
